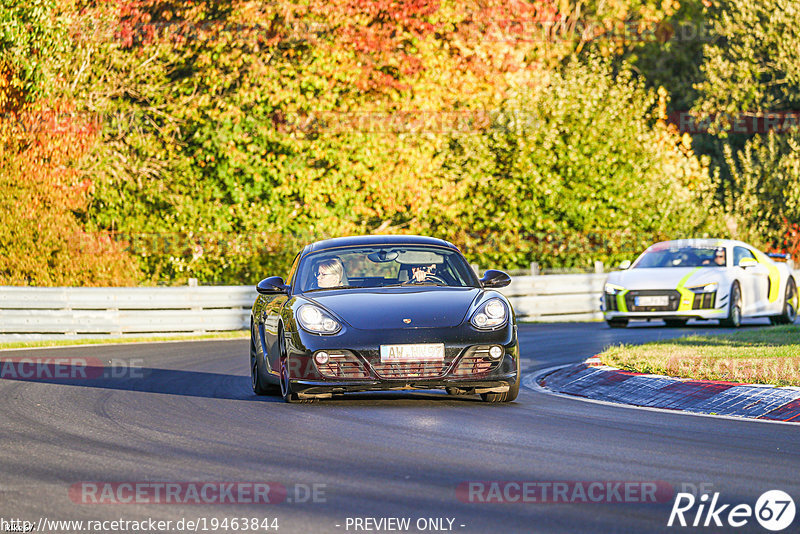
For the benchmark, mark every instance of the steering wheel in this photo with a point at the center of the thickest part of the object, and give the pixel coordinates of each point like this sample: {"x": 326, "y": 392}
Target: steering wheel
{"x": 428, "y": 278}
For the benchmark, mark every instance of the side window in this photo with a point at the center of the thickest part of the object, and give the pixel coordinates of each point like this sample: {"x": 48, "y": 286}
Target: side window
{"x": 739, "y": 253}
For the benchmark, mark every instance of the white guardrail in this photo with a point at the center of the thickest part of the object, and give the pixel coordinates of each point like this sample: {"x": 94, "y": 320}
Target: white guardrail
{"x": 27, "y": 312}
{"x": 36, "y": 312}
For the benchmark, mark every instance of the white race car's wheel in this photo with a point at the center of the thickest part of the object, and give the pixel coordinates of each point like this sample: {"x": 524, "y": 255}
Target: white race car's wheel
{"x": 790, "y": 305}
{"x": 734, "y": 307}
{"x": 617, "y": 323}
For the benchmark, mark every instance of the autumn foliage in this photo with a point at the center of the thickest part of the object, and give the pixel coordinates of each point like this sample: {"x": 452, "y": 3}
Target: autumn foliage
{"x": 186, "y": 138}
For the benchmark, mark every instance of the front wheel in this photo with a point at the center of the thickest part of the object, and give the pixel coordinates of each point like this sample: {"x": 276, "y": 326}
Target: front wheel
{"x": 286, "y": 384}
{"x": 790, "y": 305}
{"x": 506, "y": 396}
{"x": 734, "y": 319}
{"x": 285, "y": 375}
{"x": 617, "y": 323}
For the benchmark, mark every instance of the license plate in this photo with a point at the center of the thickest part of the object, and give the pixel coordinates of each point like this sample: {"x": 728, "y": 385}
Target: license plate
{"x": 412, "y": 352}
{"x": 652, "y": 301}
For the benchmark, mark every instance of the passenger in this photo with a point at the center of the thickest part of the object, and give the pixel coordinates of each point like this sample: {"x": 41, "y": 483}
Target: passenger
{"x": 330, "y": 273}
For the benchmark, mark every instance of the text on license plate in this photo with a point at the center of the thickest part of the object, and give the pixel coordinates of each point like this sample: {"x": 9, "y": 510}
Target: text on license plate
{"x": 412, "y": 352}
{"x": 652, "y": 301}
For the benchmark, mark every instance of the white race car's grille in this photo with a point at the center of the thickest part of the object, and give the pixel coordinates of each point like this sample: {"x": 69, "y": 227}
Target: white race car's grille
{"x": 673, "y": 300}
{"x": 704, "y": 301}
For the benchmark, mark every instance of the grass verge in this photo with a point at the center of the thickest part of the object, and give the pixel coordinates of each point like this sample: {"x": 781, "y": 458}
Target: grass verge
{"x": 233, "y": 334}
{"x": 763, "y": 356}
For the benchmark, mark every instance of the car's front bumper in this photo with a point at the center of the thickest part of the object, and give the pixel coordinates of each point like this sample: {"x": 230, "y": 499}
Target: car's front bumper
{"x": 679, "y": 303}
{"x": 315, "y": 388}
{"x": 678, "y": 314}
{"x": 368, "y": 373}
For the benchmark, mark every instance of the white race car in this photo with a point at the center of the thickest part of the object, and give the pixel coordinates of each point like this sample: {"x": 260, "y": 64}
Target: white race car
{"x": 701, "y": 279}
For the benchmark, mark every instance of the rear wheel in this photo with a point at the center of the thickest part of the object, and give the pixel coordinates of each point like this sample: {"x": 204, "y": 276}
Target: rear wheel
{"x": 617, "y": 323}
{"x": 734, "y": 319}
{"x": 676, "y": 323}
{"x": 790, "y": 305}
{"x": 257, "y": 377}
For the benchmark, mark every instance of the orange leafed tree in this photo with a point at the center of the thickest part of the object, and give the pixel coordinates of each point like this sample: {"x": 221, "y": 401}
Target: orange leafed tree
{"x": 42, "y": 194}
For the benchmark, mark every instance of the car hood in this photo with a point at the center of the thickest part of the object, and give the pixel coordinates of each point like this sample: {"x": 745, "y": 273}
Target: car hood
{"x": 666, "y": 278}
{"x": 388, "y": 308}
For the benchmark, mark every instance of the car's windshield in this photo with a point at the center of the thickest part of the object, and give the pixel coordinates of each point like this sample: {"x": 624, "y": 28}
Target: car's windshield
{"x": 681, "y": 257}
{"x": 382, "y": 266}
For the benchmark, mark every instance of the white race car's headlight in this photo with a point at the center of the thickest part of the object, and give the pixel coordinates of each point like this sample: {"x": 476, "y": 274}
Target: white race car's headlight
{"x": 613, "y": 289}
{"x": 705, "y": 288}
{"x": 316, "y": 320}
{"x": 492, "y": 314}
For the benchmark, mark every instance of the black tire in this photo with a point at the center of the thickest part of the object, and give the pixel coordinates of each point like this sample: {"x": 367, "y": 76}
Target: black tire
{"x": 676, "y": 323}
{"x": 617, "y": 323}
{"x": 257, "y": 376}
{"x": 506, "y": 396}
{"x": 734, "y": 319}
{"x": 790, "y": 304}
{"x": 285, "y": 381}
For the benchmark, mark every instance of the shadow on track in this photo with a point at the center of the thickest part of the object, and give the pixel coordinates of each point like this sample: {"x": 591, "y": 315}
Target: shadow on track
{"x": 185, "y": 383}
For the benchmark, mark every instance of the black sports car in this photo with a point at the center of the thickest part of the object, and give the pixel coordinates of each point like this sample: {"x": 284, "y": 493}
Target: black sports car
{"x": 383, "y": 313}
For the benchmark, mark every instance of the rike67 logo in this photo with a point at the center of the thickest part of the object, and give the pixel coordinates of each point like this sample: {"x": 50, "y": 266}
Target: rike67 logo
{"x": 774, "y": 510}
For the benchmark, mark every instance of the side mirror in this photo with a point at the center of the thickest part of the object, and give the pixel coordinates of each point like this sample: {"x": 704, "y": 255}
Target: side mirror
{"x": 492, "y": 278}
{"x": 744, "y": 263}
{"x": 272, "y": 285}
{"x": 625, "y": 265}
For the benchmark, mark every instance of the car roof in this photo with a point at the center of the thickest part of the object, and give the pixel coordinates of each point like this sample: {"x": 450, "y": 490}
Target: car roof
{"x": 363, "y": 240}
{"x": 704, "y": 242}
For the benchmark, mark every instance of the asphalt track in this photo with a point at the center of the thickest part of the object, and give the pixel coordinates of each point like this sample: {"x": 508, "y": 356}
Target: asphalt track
{"x": 188, "y": 415}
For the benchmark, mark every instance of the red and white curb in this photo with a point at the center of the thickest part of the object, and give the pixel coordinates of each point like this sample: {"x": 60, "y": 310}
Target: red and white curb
{"x": 592, "y": 380}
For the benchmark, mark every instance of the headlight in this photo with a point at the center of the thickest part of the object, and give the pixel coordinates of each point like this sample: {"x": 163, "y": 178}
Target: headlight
{"x": 316, "y": 320}
{"x": 492, "y": 314}
{"x": 613, "y": 289}
{"x": 705, "y": 288}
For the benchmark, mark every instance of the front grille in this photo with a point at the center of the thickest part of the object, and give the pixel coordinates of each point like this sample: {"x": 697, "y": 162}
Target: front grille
{"x": 674, "y": 300}
{"x": 704, "y": 301}
{"x": 611, "y": 303}
{"x": 475, "y": 361}
{"x": 343, "y": 364}
{"x": 431, "y": 369}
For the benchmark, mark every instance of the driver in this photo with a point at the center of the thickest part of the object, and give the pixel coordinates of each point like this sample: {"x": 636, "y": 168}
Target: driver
{"x": 330, "y": 273}
{"x": 421, "y": 272}
{"x": 719, "y": 258}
